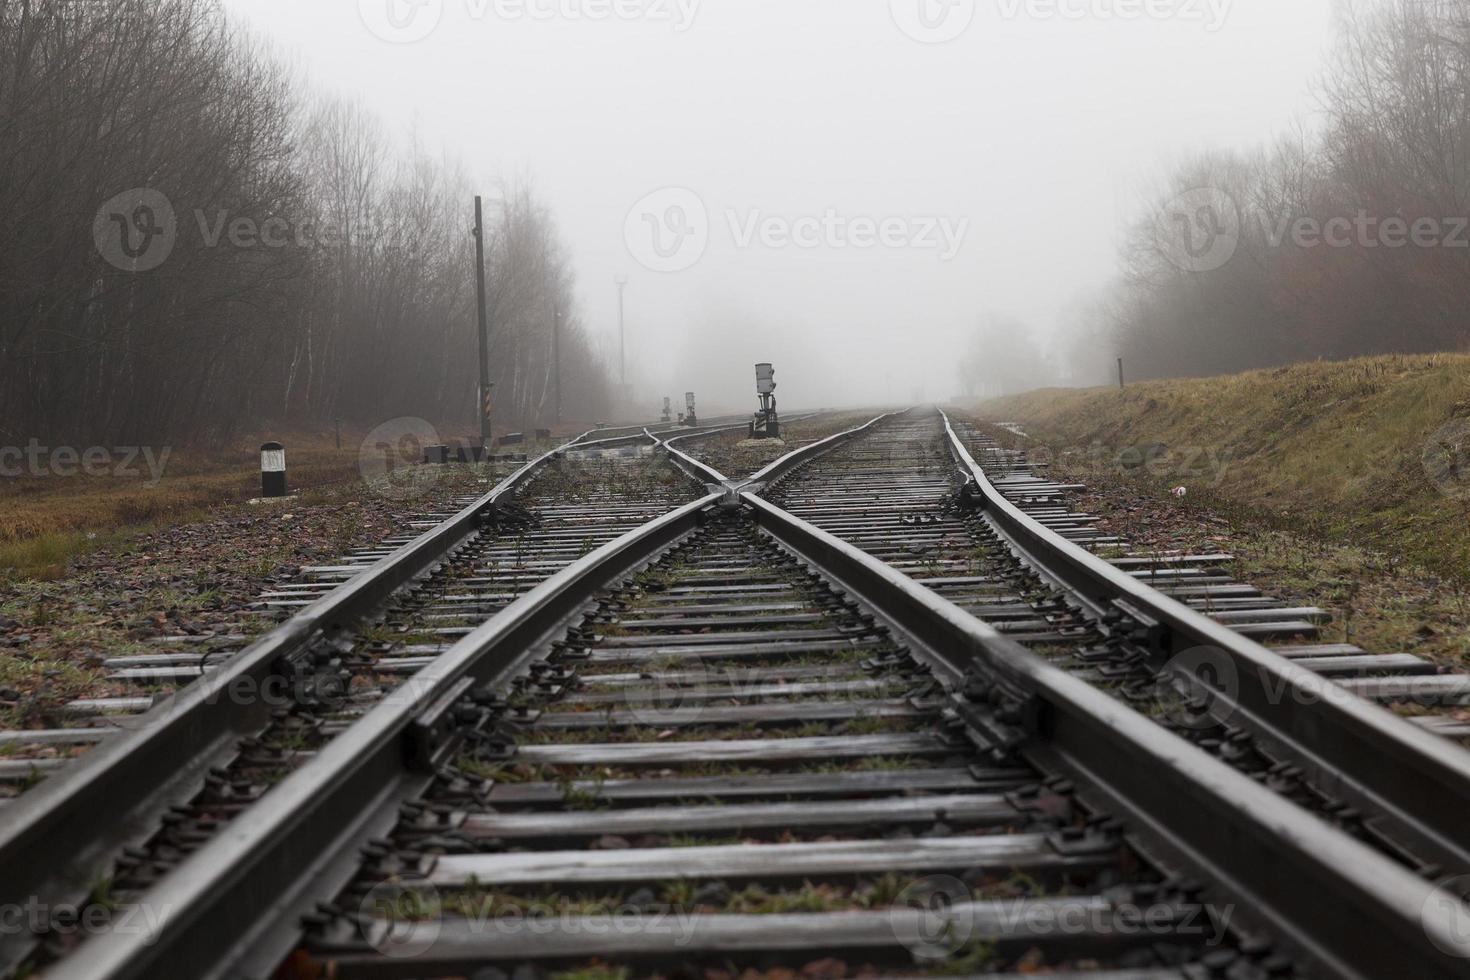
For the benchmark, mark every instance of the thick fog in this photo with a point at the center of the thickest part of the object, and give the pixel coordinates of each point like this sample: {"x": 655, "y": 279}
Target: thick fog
{"x": 844, "y": 187}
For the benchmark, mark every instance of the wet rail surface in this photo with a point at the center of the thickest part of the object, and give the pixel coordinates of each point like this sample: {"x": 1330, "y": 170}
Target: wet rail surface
{"x": 901, "y": 494}
{"x": 731, "y": 765}
{"x": 710, "y": 739}
{"x": 1427, "y": 695}
{"x": 320, "y": 672}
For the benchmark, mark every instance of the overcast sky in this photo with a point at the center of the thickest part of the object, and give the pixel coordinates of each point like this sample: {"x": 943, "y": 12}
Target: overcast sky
{"x": 843, "y": 187}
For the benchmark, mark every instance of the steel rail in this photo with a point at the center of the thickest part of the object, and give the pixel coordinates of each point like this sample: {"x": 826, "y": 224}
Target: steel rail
{"x": 233, "y": 908}
{"x": 799, "y": 457}
{"x": 703, "y": 472}
{"x": 1357, "y": 750}
{"x": 1346, "y": 906}
{"x": 55, "y": 837}
{"x": 694, "y": 468}
{"x": 636, "y": 430}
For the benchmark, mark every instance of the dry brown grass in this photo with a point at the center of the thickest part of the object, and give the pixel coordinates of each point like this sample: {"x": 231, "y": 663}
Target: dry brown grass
{"x": 1331, "y": 448}
{"x": 48, "y": 519}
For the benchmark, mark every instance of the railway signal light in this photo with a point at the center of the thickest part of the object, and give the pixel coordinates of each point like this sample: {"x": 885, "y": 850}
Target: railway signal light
{"x": 690, "y": 418}
{"x": 767, "y": 424}
{"x": 668, "y": 410}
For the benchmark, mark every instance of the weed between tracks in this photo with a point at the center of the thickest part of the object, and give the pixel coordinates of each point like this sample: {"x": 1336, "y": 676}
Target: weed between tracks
{"x": 685, "y": 896}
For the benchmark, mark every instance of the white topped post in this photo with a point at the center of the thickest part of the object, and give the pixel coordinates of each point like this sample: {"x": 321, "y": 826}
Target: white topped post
{"x": 273, "y": 470}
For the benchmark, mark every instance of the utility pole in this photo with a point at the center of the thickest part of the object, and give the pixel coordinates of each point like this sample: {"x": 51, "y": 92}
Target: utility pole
{"x": 1121, "y": 383}
{"x": 485, "y": 392}
{"x": 556, "y": 361}
{"x": 622, "y": 282}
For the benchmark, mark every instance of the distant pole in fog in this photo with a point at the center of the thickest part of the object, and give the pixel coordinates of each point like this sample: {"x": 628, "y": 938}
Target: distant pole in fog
{"x": 1121, "y": 383}
{"x": 556, "y": 360}
{"x": 484, "y": 407}
{"x": 622, "y": 282}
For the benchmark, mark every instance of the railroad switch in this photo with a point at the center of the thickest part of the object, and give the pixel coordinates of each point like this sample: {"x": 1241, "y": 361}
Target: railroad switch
{"x": 995, "y": 720}
{"x": 1086, "y": 841}
{"x": 1130, "y": 622}
{"x": 454, "y": 788}
{"x": 1051, "y": 805}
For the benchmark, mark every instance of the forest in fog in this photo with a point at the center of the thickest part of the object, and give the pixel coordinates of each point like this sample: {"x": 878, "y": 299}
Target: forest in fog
{"x": 195, "y": 239}
{"x": 1350, "y": 241}
{"x": 192, "y": 239}
{"x": 1349, "y": 236}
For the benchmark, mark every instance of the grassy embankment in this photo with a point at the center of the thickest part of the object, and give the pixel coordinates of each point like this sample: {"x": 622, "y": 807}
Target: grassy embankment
{"x": 1335, "y": 450}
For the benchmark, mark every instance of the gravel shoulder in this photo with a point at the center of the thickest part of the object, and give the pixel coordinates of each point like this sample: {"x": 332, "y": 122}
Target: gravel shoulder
{"x": 737, "y": 456}
{"x": 195, "y": 578}
{"x": 1382, "y": 602}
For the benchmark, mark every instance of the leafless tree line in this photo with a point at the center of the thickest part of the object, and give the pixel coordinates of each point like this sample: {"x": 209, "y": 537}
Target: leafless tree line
{"x": 1346, "y": 241}
{"x": 299, "y": 268}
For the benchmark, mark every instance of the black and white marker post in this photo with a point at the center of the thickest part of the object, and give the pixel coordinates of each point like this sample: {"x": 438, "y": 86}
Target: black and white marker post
{"x": 273, "y": 470}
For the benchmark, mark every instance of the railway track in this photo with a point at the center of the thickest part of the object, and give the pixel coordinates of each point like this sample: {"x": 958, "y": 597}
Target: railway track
{"x": 736, "y": 760}
{"x": 773, "y": 735}
{"x": 1427, "y": 695}
{"x": 1211, "y": 659}
{"x": 201, "y": 736}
